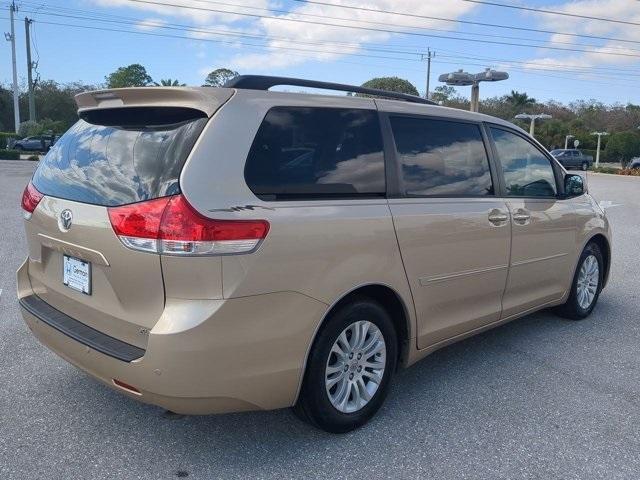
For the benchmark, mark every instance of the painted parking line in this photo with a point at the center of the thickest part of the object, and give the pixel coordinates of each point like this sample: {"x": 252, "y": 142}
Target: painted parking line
{"x": 604, "y": 204}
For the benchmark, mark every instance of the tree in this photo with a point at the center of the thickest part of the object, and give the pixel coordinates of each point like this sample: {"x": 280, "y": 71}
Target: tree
{"x": 519, "y": 100}
{"x": 443, "y": 93}
{"x": 6, "y": 110}
{"x": 219, "y": 77}
{"x": 392, "y": 84}
{"x": 134, "y": 75}
{"x": 169, "y": 83}
{"x": 623, "y": 146}
{"x": 56, "y": 102}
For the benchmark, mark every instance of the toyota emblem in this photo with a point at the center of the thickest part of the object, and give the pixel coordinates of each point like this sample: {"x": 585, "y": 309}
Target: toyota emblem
{"x": 64, "y": 222}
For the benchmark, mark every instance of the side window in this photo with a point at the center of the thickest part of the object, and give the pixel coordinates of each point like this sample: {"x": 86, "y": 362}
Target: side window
{"x": 527, "y": 172}
{"x": 313, "y": 153}
{"x": 441, "y": 158}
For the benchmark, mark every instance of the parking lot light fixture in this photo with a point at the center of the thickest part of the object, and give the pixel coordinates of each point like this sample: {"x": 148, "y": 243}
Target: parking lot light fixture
{"x": 599, "y": 134}
{"x": 566, "y": 140}
{"x": 533, "y": 118}
{"x": 461, "y": 78}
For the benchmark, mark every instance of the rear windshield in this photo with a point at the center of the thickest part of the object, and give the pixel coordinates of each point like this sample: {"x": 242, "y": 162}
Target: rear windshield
{"x": 115, "y": 165}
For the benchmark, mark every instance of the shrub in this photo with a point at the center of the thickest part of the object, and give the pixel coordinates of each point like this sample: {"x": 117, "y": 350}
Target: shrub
{"x": 623, "y": 146}
{"x": 33, "y": 158}
{"x": 9, "y": 155}
{"x": 5, "y": 137}
{"x": 632, "y": 172}
{"x": 46, "y": 125}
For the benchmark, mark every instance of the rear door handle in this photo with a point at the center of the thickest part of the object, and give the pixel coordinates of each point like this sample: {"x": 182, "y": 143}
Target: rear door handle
{"x": 498, "y": 217}
{"x": 521, "y": 217}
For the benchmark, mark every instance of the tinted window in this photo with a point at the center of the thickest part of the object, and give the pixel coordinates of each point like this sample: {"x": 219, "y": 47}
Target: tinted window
{"x": 527, "y": 172}
{"x": 441, "y": 158}
{"x": 302, "y": 152}
{"x": 111, "y": 165}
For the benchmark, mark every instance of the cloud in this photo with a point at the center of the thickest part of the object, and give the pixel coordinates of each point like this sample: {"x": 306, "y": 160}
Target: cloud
{"x": 298, "y": 32}
{"x": 201, "y": 13}
{"x": 150, "y": 24}
{"x": 628, "y": 10}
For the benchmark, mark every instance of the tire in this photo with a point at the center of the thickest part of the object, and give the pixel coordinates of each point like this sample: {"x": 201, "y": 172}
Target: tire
{"x": 19, "y": 148}
{"x": 585, "y": 166}
{"x": 575, "y": 308}
{"x": 315, "y": 402}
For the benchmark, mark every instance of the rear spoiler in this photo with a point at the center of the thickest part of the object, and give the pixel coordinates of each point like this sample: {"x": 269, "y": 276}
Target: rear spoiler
{"x": 204, "y": 99}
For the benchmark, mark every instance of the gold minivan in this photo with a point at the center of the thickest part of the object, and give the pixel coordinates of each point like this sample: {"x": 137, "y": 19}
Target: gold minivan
{"x": 213, "y": 250}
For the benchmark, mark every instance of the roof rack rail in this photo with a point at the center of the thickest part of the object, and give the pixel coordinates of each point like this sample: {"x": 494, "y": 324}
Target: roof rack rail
{"x": 265, "y": 82}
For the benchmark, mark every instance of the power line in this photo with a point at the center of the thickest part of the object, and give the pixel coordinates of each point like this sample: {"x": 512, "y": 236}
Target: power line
{"x": 182, "y": 27}
{"x": 551, "y": 12}
{"x": 299, "y": 51}
{"x": 383, "y": 30}
{"x": 466, "y": 22}
{"x": 530, "y": 65}
{"x": 314, "y": 52}
{"x": 321, "y": 42}
{"x": 578, "y": 69}
{"x": 602, "y": 52}
{"x": 54, "y": 13}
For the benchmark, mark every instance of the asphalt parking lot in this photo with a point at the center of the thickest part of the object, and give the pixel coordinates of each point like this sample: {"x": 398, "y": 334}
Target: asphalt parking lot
{"x": 540, "y": 397}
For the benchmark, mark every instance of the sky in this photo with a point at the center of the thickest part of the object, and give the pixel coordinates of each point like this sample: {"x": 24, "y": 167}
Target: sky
{"x": 85, "y": 40}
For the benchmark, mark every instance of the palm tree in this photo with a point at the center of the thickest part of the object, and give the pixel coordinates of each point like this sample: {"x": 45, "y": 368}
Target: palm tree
{"x": 169, "y": 83}
{"x": 520, "y": 100}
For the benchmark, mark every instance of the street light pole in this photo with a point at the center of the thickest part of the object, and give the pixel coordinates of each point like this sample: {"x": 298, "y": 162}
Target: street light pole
{"x": 464, "y": 79}
{"x": 532, "y": 118}
{"x": 599, "y": 134}
{"x": 566, "y": 140}
{"x": 475, "y": 97}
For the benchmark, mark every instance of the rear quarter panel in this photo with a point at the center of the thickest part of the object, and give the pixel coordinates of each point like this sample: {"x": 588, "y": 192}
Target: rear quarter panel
{"x": 322, "y": 249}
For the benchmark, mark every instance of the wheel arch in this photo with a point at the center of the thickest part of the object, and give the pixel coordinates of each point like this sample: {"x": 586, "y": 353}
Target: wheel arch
{"x": 390, "y": 300}
{"x": 605, "y": 248}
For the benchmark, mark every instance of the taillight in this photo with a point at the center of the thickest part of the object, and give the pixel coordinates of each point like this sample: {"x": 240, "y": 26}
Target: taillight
{"x": 30, "y": 200}
{"x": 171, "y": 226}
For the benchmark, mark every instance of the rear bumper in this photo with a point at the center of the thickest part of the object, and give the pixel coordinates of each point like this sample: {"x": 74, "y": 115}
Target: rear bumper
{"x": 80, "y": 332}
{"x": 203, "y": 356}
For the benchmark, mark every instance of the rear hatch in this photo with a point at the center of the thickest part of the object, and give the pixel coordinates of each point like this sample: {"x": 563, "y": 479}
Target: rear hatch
{"x": 110, "y": 158}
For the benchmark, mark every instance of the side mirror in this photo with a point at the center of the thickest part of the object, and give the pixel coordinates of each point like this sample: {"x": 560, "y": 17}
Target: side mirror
{"x": 573, "y": 185}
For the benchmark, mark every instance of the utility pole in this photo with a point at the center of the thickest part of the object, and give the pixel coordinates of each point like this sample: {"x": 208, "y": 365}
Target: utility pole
{"x": 599, "y": 134}
{"x": 32, "y": 100}
{"x": 428, "y": 56}
{"x": 11, "y": 37}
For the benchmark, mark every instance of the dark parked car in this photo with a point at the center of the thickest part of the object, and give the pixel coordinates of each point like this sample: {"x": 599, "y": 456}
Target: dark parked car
{"x": 635, "y": 163}
{"x": 36, "y": 143}
{"x": 572, "y": 158}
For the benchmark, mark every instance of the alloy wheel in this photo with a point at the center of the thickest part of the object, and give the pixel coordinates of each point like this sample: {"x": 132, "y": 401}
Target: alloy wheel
{"x": 355, "y": 367}
{"x": 588, "y": 280}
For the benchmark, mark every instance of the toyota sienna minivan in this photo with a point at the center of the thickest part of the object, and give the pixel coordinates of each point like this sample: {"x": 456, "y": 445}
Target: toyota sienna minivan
{"x": 212, "y": 250}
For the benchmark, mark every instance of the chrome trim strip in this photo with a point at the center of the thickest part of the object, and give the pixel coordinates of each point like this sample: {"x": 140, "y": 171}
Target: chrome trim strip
{"x": 442, "y": 278}
{"x": 539, "y": 259}
{"x": 72, "y": 249}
